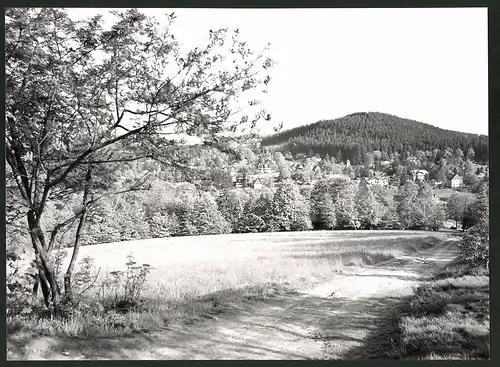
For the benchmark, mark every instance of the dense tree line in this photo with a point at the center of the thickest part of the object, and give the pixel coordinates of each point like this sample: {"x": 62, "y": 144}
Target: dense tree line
{"x": 333, "y": 203}
{"x": 354, "y": 135}
{"x": 170, "y": 206}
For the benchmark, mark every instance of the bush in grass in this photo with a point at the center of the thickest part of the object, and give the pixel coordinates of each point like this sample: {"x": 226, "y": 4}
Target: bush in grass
{"x": 207, "y": 218}
{"x": 475, "y": 244}
{"x": 163, "y": 225}
{"x": 251, "y": 223}
{"x": 20, "y": 274}
{"x": 122, "y": 290}
{"x": 257, "y": 214}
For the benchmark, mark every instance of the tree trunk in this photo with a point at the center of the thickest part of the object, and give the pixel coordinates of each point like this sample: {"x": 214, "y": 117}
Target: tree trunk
{"x": 76, "y": 247}
{"x": 46, "y": 275}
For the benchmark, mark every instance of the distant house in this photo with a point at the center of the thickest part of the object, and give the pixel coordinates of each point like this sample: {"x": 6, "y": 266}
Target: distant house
{"x": 385, "y": 163}
{"x": 419, "y": 174}
{"x": 456, "y": 181}
{"x": 257, "y": 184}
{"x": 438, "y": 184}
{"x": 240, "y": 180}
{"x": 378, "y": 181}
{"x": 233, "y": 173}
{"x": 267, "y": 166}
{"x": 297, "y": 166}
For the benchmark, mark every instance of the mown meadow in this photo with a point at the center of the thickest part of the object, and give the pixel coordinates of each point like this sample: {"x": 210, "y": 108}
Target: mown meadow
{"x": 189, "y": 280}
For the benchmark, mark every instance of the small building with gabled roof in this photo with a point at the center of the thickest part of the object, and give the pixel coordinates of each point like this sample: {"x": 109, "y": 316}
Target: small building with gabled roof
{"x": 457, "y": 181}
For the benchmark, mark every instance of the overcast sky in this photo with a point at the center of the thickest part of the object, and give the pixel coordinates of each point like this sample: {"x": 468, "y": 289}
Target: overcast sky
{"x": 429, "y": 65}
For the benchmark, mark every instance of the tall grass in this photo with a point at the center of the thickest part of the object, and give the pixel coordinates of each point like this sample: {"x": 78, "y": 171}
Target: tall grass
{"x": 199, "y": 277}
{"x": 447, "y": 318}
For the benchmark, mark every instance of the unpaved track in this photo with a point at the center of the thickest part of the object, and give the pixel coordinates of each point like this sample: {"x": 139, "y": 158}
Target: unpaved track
{"x": 324, "y": 322}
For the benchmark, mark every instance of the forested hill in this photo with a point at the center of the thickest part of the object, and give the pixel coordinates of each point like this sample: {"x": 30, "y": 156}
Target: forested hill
{"x": 359, "y": 132}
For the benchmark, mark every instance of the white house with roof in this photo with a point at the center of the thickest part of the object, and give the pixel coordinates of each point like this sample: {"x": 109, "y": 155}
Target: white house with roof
{"x": 267, "y": 166}
{"x": 378, "y": 181}
{"x": 457, "y": 181}
{"x": 257, "y": 184}
{"x": 419, "y": 174}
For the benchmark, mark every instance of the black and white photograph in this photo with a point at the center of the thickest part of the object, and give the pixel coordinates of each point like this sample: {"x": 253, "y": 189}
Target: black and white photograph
{"x": 247, "y": 183}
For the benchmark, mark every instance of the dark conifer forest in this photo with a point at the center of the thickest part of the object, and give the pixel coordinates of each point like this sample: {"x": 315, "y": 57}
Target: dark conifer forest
{"x": 357, "y": 133}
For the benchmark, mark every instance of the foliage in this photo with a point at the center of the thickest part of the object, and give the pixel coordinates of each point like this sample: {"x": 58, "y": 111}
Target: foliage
{"x": 324, "y": 212}
{"x": 455, "y": 207}
{"x": 77, "y": 91}
{"x": 289, "y": 209}
{"x": 281, "y": 164}
{"x": 123, "y": 289}
{"x": 19, "y": 297}
{"x": 367, "y": 208}
{"x": 429, "y": 212}
{"x": 163, "y": 225}
{"x": 206, "y": 217}
{"x": 471, "y": 180}
{"x": 251, "y": 223}
{"x": 342, "y": 193}
{"x": 231, "y": 205}
{"x": 479, "y": 209}
{"x": 476, "y": 242}
{"x": 406, "y": 204}
{"x": 371, "y": 131}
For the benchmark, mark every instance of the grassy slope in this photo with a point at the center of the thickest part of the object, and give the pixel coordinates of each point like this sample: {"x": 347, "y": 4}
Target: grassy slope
{"x": 195, "y": 278}
{"x": 446, "y": 318}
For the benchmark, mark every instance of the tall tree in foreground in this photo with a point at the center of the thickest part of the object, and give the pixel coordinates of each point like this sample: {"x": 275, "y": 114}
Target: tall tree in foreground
{"x": 75, "y": 90}
{"x": 324, "y": 212}
{"x": 231, "y": 204}
{"x": 406, "y": 204}
{"x": 366, "y": 206}
{"x": 290, "y": 212}
{"x": 455, "y": 208}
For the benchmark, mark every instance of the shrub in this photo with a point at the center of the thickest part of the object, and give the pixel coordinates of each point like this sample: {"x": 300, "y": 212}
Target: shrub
{"x": 475, "y": 244}
{"x": 251, "y": 223}
{"x": 163, "y": 225}
{"x": 122, "y": 291}
{"x": 20, "y": 300}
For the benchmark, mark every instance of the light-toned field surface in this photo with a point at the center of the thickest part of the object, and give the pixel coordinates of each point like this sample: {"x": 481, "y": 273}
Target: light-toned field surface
{"x": 327, "y": 320}
{"x": 195, "y": 266}
{"x": 446, "y": 193}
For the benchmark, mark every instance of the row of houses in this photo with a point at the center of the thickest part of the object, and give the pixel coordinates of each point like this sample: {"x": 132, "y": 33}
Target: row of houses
{"x": 268, "y": 176}
{"x": 456, "y": 181}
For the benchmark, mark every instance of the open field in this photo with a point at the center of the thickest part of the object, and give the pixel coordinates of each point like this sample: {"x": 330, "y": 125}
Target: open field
{"x": 323, "y": 300}
{"x": 195, "y": 266}
{"x": 444, "y": 194}
{"x": 195, "y": 277}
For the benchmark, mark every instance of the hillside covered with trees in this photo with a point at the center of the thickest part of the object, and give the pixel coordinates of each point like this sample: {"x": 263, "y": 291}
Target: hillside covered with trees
{"x": 358, "y": 133}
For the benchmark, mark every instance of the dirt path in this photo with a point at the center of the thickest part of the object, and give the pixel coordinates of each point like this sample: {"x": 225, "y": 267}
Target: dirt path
{"x": 324, "y": 322}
